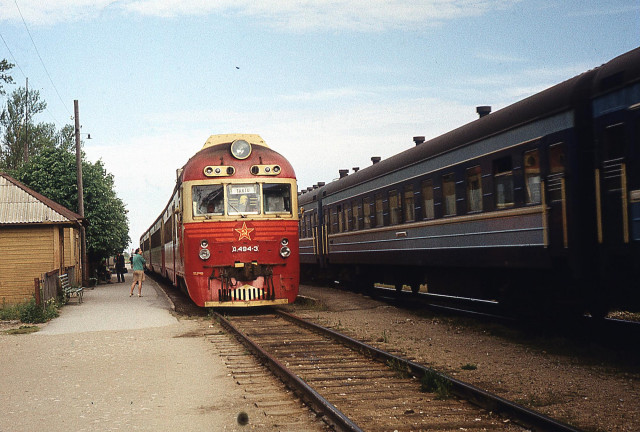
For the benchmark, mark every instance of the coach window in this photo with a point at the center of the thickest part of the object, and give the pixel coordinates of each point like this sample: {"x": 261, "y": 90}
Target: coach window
{"x": 395, "y": 211}
{"x": 333, "y": 220}
{"x": 340, "y": 218}
{"x": 503, "y": 182}
{"x": 427, "y": 199}
{"x": 366, "y": 212}
{"x": 277, "y": 198}
{"x": 348, "y": 215}
{"x": 408, "y": 205}
{"x": 449, "y": 192}
{"x": 355, "y": 211}
{"x": 207, "y": 200}
{"x": 243, "y": 199}
{"x": 532, "y": 177}
{"x": 379, "y": 210}
{"x": 556, "y": 171}
{"x": 474, "y": 189}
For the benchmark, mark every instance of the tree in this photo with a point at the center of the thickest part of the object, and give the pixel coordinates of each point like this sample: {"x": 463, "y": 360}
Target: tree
{"x": 20, "y": 129}
{"x": 4, "y": 76}
{"x": 52, "y": 172}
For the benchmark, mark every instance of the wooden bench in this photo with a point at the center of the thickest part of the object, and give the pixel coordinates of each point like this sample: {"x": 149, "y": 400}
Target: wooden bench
{"x": 68, "y": 291}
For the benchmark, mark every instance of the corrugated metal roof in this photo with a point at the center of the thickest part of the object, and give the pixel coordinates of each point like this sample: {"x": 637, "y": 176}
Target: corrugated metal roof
{"x": 21, "y": 205}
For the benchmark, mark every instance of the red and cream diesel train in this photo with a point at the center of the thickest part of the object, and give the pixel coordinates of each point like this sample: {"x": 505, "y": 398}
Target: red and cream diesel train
{"x": 229, "y": 234}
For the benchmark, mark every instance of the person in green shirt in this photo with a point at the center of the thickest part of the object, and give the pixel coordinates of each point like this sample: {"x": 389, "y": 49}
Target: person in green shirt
{"x": 138, "y": 272}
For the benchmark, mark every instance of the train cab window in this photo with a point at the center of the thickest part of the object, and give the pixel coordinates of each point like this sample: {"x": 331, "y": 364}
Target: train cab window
{"x": 277, "y": 198}
{"x": 503, "y": 182}
{"x": 449, "y": 192}
{"x": 355, "y": 212}
{"x": 243, "y": 199}
{"x": 408, "y": 205}
{"x": 427, "y": 199}
{"x": 395, "y": 211}
{"x": 474, "y": 189}
{"x": 379, "y": 210}
{"x": 366, "y": 212}
{"x": 208, "y": 200}
{"x": 532, "y": 177}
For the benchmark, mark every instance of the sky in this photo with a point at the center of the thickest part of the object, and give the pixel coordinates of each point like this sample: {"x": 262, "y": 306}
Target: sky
{"x": 327, "y": 83}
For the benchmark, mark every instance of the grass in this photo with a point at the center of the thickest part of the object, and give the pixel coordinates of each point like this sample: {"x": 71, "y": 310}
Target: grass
{"x": 30, "y": 312}
{"x": 469, "y": 366}
{"x": 22, "y": 330}
{"x": 433, "y": 382}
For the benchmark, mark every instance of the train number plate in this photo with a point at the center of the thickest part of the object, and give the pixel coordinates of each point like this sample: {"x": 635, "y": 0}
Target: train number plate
{"x": 235, "y": 249}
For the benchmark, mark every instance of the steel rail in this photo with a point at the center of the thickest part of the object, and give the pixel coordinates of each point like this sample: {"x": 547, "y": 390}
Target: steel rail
{"x": 466, "y": 391}
{"x": 320, "y": 405}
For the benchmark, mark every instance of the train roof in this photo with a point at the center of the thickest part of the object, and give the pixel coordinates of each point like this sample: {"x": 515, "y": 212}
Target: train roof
{"x": 538, "y": 106}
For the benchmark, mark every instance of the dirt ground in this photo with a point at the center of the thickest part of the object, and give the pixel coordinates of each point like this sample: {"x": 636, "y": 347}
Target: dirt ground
{"x": 587, "y": 386}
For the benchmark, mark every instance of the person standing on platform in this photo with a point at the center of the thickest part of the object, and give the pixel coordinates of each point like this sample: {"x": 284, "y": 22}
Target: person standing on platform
{"x": 138, "y": 272}
{"x": 120, "y": 267}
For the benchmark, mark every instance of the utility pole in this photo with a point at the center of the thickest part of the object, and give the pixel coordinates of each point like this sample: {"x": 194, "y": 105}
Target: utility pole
{"x": 83, "y": 240}
{"x": 26, "y": 123}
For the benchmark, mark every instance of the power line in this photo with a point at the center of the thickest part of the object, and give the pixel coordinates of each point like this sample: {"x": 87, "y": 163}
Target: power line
{"x": 41, "y": 61}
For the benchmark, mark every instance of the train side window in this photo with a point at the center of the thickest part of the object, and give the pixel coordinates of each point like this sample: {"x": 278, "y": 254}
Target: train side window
{"x": 449, "y": 191}
{"x": 614, "y": 142}
{"x": 355, "y": 211}
{"x": 366, "y": 212}
{"x": 395, "y": 211}
{"x": 427, "y": 199}
{"x": 348, "y": 216}
{"x": 208, "y": 199}
{"x": 277, "y": 198}
{"x": 503, "y": 182}
{"x": 340, "y": 219}
{"x": 474, "y": 189}
{"x": 333, "y": 220}
{"x": 556, "y": 171}
{"x": 408, "y": 204}
{"x": 379, "y": 210}
{"x": 532, "y": 177}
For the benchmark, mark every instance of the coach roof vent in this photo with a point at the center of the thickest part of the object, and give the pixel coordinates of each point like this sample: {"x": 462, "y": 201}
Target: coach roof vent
{"x": 320, "y": 184}
{"x": 483, "y": 110}
{"x": 418, "y": 140}
{"x": 355, "y": 169}
{"x": 375, "y": 159}
{"x": 343, "y": 172}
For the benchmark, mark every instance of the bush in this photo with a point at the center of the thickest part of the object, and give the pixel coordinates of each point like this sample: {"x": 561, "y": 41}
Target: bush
{"x": 32, "y": 313}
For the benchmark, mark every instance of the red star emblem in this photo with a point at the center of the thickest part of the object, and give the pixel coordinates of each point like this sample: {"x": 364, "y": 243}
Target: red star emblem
{"x": 244, "y": 232}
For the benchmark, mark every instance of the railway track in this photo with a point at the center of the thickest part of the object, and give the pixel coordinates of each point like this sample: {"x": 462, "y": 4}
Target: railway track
{"x": 357, "y": 387}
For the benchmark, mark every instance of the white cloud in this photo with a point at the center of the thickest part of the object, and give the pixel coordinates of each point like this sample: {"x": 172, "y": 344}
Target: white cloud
{"x": 287, "y": 15}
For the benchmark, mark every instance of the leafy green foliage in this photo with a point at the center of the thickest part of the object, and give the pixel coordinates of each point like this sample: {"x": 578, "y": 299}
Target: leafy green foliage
{"x": 52, "y": 172}
{"x": 4, "y": 76}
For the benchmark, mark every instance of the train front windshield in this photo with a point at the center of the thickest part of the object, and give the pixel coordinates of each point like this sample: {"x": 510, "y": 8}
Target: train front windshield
{"x": 242, "y": 199}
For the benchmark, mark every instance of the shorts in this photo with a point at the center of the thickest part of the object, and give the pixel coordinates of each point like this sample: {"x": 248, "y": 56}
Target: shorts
{"x": 138, "y": 276}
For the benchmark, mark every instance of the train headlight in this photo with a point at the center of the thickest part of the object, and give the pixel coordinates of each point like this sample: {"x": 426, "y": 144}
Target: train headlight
{"x": 285, "y": 251}
{"x": 204, "y": 254}
{"x": 284, "y": 242}
{"x": 204, "y": 243}
{"x": 240, "y": 149}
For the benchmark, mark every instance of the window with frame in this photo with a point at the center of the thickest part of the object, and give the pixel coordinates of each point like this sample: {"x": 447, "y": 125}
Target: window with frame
{"x": 503, "y": 182}
{"x": 348, "y": 216}
{"x": 208, "y": 199}
{"x": 449, "y": 194}
{"x": 340, "y": 219}
{"x": 408, "y": 204}
{"x": 532, "y": 177}
{"x": 243, "y": 199}
{"x": 556, "y": 171}
{"x": 427, "y": 199}
{"x": 395, "y": 211}
{"x": 379, "y": 210}
{"x": 333, "y": 220}
{"x": 355, "y": 212}
{"x": 366, "y": 212}
{"x": 474, "y": 189}
{"x": 277, "y": 198}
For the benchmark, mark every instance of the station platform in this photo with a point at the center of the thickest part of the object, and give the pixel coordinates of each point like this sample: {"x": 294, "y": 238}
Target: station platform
{"x": 116, "y": 362}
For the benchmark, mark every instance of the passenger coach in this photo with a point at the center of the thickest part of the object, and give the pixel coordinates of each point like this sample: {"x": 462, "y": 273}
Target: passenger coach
{"x": 535, "y": 205}
{"x": 229, "y": 233}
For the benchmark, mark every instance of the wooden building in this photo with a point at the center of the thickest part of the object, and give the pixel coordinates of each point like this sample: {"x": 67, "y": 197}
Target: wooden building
{"x": 37, "y": 236}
